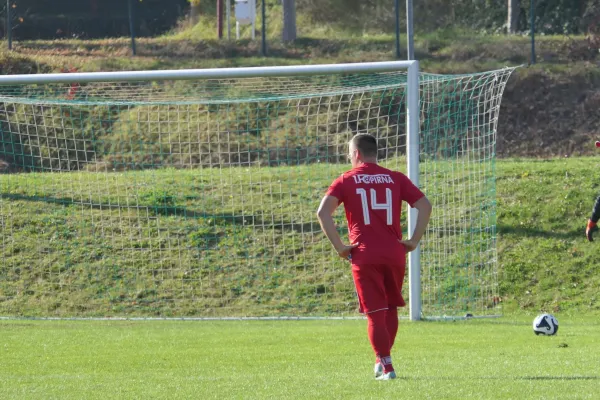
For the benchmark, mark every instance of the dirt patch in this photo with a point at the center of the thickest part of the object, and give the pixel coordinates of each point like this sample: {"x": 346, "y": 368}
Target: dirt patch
{"x": 545, "y": 114}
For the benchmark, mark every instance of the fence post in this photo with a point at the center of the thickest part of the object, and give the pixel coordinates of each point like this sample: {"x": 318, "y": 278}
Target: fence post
{"x": 532, "y": 30}
{"x": 8, "y": 25}
{"x": 132, "y": 27}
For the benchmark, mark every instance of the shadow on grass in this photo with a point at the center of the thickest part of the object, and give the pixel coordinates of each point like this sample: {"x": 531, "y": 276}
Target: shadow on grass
{"x": 221, "y": 219}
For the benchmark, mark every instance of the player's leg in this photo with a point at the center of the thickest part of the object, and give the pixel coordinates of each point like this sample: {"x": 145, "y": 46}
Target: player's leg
{"x": 391, "y": 321}
{"x": 371, "y": 295}
{"x": 393, "y": 278}
{"x": 380, "y": 339}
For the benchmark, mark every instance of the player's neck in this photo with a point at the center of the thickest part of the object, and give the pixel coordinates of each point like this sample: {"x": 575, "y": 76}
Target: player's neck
{"x": 367, "y": 161}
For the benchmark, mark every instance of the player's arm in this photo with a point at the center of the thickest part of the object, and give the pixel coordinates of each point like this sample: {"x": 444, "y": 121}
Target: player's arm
{"x": 592, "y": 224}
{"x": 325, "y": 214}
{"x": 424, "y": 207}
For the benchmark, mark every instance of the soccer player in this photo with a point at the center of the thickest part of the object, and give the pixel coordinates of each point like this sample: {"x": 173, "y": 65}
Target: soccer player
{"x": 372, "y": 198}
{"x": 592, "y": 224}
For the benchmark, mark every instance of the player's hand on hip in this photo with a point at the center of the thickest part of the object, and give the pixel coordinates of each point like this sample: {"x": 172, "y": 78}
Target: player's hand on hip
{"x": 345, "y": 251}
{"x": 410, "y": 245}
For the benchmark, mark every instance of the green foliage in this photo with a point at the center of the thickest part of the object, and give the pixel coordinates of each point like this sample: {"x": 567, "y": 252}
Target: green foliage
{"x": 552, "y": 17}
{"x": 33, "y": 19}
{"x": 378, "y": 16}
{"x": 557, "y": 16}
{"x": 68, "y": 18}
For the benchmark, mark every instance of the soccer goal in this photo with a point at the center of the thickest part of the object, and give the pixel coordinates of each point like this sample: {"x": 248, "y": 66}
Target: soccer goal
{"x": 193, "y": 193}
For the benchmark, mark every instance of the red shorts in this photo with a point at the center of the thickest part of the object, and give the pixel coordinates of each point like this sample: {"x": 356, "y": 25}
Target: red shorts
{"x": 379, "y": 286}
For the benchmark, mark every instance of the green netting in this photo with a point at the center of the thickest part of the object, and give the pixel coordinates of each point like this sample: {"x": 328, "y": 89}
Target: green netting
{"x": 198, "y": 198}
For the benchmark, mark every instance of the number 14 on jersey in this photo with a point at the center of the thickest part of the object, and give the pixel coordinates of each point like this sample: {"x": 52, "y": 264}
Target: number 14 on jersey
{"x": 387, "y": 206}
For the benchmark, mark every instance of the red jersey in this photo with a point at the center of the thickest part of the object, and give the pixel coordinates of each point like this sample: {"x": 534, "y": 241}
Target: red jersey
{"x": 372, "y": 197}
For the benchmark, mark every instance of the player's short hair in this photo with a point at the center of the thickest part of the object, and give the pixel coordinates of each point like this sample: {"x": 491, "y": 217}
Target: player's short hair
{"x": 366, "y": 144}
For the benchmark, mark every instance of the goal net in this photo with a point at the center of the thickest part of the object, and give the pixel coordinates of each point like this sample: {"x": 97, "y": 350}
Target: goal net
{"x": 194, "y": 193}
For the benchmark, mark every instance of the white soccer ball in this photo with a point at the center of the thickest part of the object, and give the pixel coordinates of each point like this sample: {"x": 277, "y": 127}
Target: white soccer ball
{"x": 545, "y": 324}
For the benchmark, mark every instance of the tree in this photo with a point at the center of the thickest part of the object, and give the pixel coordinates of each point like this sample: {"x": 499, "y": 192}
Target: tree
{"x": 220, "y": 19}
{"x": 512, "y": 23}
{"x": 194, "y": 11}
{"x": 289, "y": 20}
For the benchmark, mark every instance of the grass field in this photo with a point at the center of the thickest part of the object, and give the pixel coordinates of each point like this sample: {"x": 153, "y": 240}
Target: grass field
{"x": 483, "y": 359}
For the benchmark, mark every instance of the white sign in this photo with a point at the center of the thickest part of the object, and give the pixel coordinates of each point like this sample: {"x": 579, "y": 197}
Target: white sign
{"x": 245, "y": 11}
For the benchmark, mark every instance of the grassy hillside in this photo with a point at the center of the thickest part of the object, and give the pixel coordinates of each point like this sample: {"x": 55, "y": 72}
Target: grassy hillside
{"x": 238, "y": 241}
{"x": 545, "y": 260}
{"x": 160, "y": 243}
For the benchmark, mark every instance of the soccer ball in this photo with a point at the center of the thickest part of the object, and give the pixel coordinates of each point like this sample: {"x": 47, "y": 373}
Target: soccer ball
{"x": 545, "y": 324}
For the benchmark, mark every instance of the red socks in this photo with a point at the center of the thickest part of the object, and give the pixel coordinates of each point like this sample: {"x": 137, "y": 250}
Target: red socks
{"x": 382, "y": 332}
{"x": 391, "y": 319}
